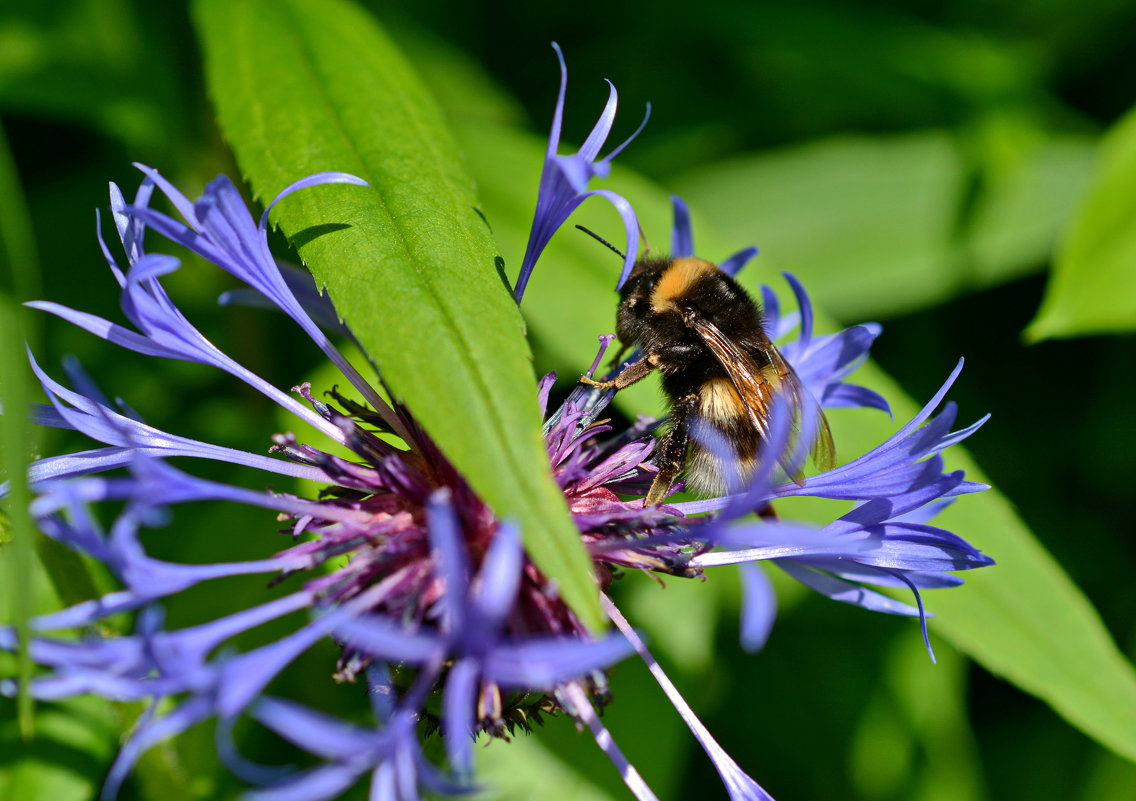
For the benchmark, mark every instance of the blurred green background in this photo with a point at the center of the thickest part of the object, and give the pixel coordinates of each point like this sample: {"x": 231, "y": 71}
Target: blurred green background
{"x": 918, "y": 165}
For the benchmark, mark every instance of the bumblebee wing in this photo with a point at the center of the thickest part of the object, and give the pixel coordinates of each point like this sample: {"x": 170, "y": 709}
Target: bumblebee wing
{"x": 823, "y": 450}
{"x": 757, "y": 384}
{"x": 750, "y": 380}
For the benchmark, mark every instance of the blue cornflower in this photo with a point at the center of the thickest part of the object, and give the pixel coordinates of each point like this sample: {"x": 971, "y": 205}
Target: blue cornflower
{"x": 564, "y": 183}
{"x": 437, "y": 597}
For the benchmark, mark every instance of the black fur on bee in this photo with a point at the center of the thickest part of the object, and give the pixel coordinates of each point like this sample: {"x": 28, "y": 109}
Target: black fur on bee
{"x": 706, "y": 337}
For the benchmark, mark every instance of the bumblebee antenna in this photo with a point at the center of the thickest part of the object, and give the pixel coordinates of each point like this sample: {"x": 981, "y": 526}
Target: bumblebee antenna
{"x": 643, "y": 241}
{"x": 603, "y": 241}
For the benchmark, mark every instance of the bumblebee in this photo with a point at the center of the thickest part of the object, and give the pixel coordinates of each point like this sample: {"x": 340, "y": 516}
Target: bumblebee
{"x": 695, "y": 325}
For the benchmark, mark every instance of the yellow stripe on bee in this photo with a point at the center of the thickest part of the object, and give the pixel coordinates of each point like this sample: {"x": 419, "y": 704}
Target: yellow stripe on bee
{"x": 678, "y": 279}
{"x": 719, "y": 401}
{"x": 707, "y": 475}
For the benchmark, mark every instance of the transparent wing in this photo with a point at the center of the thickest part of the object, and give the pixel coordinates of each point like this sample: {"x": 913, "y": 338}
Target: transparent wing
{"x": 823, "y": 451}
{"x": 757, "y": 384}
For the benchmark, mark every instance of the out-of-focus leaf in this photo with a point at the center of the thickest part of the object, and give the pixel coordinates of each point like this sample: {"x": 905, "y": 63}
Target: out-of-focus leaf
{"x": 933, "y": 702}
{"x": 516, "y": 772}
{"x": 870, "y": 224}
{"x": 882, "y": 753}
{"x": 68, "y": 573}
{"x": 1092, "y": 289}
{"x": 304, "y": 86}
{"x": 1110, "y": 779}
{"x": 938, "y": 763}
{"x": 75, "y": 740}
{"x": 1022, "y": 619}
{"x": 19, "y": 276}
{"x": 464, "y": 91}
{"x": 848, "y": 216}
{"x": 16, "y": 445}
{"x": 89, "y": 62}
{"x": 780, "y": 70}
{"x": 643, "y": 723}
{"x": 682, "y": 616}
{"x": 1019, "y": 217}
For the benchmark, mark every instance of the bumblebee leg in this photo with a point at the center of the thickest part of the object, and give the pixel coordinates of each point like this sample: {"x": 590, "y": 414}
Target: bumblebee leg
{"x": 670, "y": 453}
{"x": 636, "y": 371}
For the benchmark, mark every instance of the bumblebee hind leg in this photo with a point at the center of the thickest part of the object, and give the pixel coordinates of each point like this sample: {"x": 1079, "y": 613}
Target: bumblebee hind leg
{"x": 670, "y": 453}
{"x": 636, "y": 371}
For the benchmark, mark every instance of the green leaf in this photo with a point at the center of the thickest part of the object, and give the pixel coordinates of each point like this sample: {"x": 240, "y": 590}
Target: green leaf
{"x": 19, "y": 277}
{"x": 847, "y": 216}
{"x": 303, "y": 86}
{"x": 90, "y": 62}
{"x": 929, "y": 702}
{"x": 1092, "y": 289}
{"x": 513, "y": 773}
{"x": 67, "y": 572}
{"x": 1028, "y": 196}
{"x": 75, "y": 742}
{"x": 870, "y": 224}
{"x": 16, "y": 445}
{"x": 1023, "y": 619}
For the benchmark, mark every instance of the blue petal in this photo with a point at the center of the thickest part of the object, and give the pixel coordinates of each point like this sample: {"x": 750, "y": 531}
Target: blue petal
{"x": 500, "y": 575}
{"x": 459, "y": 702}
{"x": 378, "y": 637}
{"x": 316, "y": 179}
{"x": 759, "y": 607}
{"x": 733, "y": 264}
{"x": 837, "y": 396}
{"x": 845, "y": 591}
{"x": 682, "y": 236}
{"x": 318, "y": 784}
{"x": 316, "y": 733}
{"x": 450, "y": 561}
{"x": 544, "y": 664}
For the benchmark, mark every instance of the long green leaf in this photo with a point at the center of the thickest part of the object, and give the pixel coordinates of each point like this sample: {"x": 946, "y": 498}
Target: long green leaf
{"x": 1092, "y": 289}
{"x": 1023, "y": 619}
{"x": 303, "y": 86}
{"x": 852, "y": 214}
{"x": 15, "y": 446}
{"x": 19, "y": 277}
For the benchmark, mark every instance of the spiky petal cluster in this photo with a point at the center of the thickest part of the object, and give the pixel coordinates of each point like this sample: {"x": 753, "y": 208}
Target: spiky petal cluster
{"x": 436, "y": 596}
{"x": 564, "y": 183}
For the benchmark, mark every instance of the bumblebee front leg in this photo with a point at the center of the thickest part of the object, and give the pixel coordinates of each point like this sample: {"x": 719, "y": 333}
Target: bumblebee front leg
{"x": 636, "y": 371}
{"x": 670, "y": 453}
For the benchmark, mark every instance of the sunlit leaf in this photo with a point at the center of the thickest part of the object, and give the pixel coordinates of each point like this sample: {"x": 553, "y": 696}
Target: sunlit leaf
{"x": 1020, "y": 213}
{"x": 512, "y": 774}
{"x": 304, "y": 86}
{"x": 1093, "y": 286}
{"x": 854, "y": 214}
